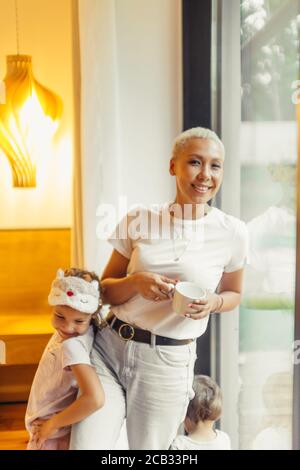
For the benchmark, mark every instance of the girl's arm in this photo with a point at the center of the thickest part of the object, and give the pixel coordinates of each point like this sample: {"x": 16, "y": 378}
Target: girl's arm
{"x": 90, "y": 400}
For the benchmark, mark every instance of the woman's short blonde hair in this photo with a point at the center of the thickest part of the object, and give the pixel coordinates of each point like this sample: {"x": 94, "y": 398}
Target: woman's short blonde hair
{"x": 195, "y": 133}
{"x": 207, "y": 402}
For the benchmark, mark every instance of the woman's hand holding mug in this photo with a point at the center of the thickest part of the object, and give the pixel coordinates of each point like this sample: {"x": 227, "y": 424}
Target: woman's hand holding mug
{"x": 153, "y": 286}
{"x": 191, "y": 301}
{"x": 201, "y": 308}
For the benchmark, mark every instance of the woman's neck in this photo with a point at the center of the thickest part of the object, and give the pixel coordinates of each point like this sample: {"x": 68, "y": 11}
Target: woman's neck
{"x": 181, "y": 210}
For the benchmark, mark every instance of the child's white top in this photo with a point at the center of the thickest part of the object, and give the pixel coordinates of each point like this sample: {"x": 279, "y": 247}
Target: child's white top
{"x": 210, "y": 246}
{"x": 221, "y": 442}
{"x": 54, "y": 386}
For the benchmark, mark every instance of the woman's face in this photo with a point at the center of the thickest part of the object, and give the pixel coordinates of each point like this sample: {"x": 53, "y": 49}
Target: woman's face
{"x": 198, "y": 168}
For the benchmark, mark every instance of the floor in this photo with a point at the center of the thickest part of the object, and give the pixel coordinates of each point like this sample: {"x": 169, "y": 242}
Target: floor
{"x": 12, "y": 433}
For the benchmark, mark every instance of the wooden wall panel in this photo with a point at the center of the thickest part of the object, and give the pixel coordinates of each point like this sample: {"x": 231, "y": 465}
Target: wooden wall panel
{"x": 16, "y": 382}
{"x": 28, "y": 262}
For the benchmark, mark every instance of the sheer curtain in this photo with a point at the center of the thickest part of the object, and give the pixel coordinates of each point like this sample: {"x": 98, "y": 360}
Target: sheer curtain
{"x": 100, "y": 127}
{"x": 230, "y": 197}
{"x": 77, "y": 255}
{"x": 130, "y": 56}
{"x": 130, "y": 74}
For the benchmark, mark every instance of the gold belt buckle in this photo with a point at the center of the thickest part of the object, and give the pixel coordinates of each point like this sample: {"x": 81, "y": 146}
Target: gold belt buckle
{"x": 131, "y": 333}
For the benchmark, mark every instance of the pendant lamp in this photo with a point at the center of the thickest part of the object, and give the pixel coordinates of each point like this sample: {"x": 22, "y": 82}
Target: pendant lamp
{"x": 29, "y": 118}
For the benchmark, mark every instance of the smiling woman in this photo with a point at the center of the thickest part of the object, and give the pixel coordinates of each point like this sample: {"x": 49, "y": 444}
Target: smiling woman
{"x": 197, "y": 163}
{"x": 145, "y": 357}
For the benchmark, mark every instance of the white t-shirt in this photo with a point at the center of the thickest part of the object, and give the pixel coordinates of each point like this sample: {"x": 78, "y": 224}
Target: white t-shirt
{"x": 221, "y": 442}
{"x": 54, "y": 386}
{"x": 209, "y": 246}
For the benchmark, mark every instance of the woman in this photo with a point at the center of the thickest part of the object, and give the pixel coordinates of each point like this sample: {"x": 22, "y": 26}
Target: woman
{"x": 145, "y": 358}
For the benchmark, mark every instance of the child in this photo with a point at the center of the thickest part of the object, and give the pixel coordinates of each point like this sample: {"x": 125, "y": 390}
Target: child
{"x": 65, "y": 365}
{"x": 276, "y": 430}
{"x": 203, "y": 410}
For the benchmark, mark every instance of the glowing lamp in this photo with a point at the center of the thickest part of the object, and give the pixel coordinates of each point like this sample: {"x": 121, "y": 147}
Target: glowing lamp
{"x": 29, "y": 118}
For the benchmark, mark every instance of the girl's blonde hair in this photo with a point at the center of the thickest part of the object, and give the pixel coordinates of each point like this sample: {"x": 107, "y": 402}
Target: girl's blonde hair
{"x": 207, "y": 403}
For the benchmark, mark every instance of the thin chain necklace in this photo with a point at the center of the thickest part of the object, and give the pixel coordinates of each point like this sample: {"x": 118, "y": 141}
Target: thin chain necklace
{"x": 178, "y": 255}
{"x": 181, "y": 236}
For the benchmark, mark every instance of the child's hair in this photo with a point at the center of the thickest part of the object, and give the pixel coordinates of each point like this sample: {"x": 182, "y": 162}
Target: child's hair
{"x": 207, "y": 402}
{"x": 88, "y": 276}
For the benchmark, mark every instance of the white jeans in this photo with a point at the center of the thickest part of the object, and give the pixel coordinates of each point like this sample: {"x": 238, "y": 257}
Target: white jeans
{"x": 149, "y": 386}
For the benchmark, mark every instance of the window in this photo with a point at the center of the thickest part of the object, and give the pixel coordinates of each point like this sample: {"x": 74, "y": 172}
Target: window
{"x": 268, "y": 155}
{"x": 259, "y": 130}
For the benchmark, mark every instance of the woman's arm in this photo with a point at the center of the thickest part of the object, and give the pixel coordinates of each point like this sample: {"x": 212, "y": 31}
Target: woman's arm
{"x": 90, "y": 400}
{"x": 230, "y": 288}
{"x": 227, "y": 298}
{"x": 117, "y": 287}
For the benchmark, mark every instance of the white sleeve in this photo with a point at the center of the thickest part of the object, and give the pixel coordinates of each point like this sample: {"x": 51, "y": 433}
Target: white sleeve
{"x": 239, "y": 249}
{"x": 77, "y": 350}
{"x": 120, "y": 238}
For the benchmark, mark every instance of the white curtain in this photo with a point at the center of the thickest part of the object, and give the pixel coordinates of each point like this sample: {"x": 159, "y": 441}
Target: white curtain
{"x": 130, "y": 106}
{"x": 77, "y": 255}
{"x": 130, "y": 54}
{"x": 100, "y": 127}
{"x": 230, "y": 92}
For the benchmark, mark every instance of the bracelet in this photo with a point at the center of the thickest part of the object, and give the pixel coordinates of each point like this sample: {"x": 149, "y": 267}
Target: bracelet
{"x": 220, "y": 305}
{"x": 222, "y": 301}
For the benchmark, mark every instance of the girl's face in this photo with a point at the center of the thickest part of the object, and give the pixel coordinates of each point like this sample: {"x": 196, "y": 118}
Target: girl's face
{"x": 69, "y": 322}
{"x": 198, "y": 168}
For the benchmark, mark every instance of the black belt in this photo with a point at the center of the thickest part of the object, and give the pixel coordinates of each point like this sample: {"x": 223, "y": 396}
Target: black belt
{"x": 129, "y": 332}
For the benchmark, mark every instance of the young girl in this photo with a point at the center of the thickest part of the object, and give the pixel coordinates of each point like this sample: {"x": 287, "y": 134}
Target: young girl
{"x": 65, "y": 365}
{"x": 203, "y": 410}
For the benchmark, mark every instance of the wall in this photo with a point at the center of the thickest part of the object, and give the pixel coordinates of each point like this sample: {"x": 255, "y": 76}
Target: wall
{"x": 149, "y": 53}
{"x": 46, "y": 34}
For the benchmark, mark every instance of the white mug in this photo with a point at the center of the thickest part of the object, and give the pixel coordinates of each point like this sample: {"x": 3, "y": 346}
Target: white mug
{"x": 186, "y": 293}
